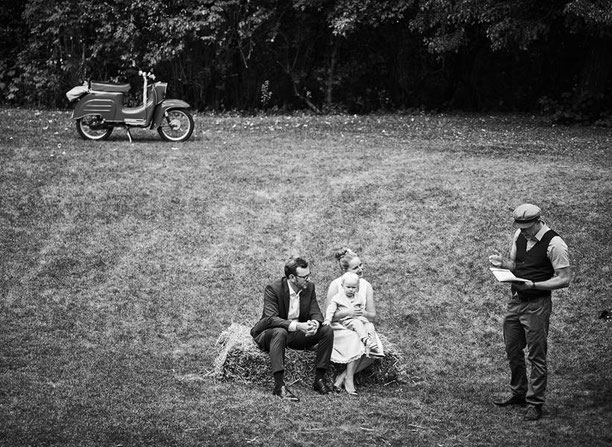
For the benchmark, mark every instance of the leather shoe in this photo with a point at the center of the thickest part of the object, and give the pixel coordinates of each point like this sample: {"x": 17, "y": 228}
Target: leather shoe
{"x": 320, "y": 386}
{"x": 337, "y": 389}
{"x": 514, "y": 400}
{"x": 285, "y": 393}
{"x": 533, "y": 413}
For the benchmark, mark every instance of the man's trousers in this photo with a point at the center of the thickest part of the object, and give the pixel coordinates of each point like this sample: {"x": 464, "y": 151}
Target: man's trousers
{"x": 526, "y": 326}
{"x": 275, "y": 340}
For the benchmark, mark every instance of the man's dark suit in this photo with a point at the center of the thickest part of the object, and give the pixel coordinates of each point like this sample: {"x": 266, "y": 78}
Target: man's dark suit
{"x": 272, "y": 334}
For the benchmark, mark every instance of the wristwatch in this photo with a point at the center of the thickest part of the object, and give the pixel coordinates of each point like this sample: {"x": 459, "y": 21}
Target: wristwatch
{"x": 533, "y": 285}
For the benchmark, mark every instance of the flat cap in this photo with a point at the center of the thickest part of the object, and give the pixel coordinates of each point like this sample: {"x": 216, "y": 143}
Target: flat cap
{"x": 526, "y": 215}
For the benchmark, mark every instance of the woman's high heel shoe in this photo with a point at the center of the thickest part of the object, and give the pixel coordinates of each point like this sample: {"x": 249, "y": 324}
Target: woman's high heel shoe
{"x": 351, "y": 392}
{"x": 350, "y": 388}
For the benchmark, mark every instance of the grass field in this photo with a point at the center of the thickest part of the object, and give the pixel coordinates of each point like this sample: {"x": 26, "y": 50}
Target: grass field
{"x": 122, "y": 263}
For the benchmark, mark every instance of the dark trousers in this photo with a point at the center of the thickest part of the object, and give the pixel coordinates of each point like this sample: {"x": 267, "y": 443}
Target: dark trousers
{"x": 526, "y": 326}
{"x": 276, "y": 340}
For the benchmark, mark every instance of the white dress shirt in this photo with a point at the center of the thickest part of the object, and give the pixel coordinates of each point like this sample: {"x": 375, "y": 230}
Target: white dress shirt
{"x": 294, "y": 308}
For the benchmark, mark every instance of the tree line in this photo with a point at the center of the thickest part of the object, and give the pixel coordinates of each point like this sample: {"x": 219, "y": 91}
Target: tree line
{"x": 354, "y": 56}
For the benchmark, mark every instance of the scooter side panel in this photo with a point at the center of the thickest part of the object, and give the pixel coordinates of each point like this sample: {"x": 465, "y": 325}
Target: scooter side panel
{"x": 139, "y": 112}
{"x": 104, "y": 105}
{"x": 166, "y": 105}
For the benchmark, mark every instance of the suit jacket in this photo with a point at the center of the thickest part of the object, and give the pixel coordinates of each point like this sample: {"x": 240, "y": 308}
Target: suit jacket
{"x": 276, "y": 307}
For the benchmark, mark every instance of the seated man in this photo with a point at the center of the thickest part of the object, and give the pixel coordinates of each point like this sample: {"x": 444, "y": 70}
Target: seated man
{"x": 292, "y": 318}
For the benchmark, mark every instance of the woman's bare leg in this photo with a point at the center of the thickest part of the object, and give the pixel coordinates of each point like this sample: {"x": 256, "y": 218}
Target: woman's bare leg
{"x": 349, "y": 385}
{"x": 353, "y": 368}
{"x": 340, "y": 379}
{"x": 348, "y": 375}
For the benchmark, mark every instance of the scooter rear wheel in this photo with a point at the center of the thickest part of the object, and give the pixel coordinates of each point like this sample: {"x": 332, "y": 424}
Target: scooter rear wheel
{"x": 90, "y": 128}
{"x": 177, "y": 125}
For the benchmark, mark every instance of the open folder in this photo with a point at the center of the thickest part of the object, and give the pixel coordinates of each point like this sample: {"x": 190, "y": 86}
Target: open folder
{"x": 505, "y": 275}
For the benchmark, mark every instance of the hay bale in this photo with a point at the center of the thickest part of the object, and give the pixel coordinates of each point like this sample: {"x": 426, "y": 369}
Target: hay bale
{"x": 240, "y": 359}
{"x": 385, "y": 370}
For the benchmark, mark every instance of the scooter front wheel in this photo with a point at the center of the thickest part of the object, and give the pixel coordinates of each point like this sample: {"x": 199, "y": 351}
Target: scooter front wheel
{"x": 177, "y": 125}
{"x": 90, "y": 127}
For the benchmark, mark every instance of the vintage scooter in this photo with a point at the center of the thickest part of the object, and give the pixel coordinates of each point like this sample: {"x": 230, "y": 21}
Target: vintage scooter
{"x": 99, "y": 109}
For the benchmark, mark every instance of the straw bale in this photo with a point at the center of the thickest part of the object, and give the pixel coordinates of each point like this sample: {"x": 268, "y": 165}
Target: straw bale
{"x": 240, "y": 359}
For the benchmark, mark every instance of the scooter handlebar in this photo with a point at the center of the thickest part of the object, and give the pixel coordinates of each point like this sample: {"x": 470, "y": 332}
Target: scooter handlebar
{"x": 144, "y": 74}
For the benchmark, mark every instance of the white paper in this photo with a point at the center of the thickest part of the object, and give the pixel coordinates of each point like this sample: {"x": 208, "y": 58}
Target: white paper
{"x": 505, "y": 275}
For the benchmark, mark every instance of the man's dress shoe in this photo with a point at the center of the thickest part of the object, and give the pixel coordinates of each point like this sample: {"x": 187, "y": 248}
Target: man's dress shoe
{"x": 533, "y": 413}
{"x": 514, "y": 400}
{"x": 285, "y": 393}
{"x": 320, "y": 386}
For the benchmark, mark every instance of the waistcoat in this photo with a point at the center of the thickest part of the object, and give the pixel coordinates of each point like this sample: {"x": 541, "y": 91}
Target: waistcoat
{"x": 533, "y": 265}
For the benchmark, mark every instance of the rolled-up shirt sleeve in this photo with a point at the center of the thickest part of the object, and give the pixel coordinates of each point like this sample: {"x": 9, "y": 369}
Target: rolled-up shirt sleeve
{"x": 558, "y": 253}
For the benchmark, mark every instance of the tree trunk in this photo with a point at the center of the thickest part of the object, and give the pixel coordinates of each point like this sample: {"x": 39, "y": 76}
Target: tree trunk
{"x": 304, "y": 98}
{"x": 331, "y": 72}
{"x": 596, "y": 69}
{"x": 296, "y": 89}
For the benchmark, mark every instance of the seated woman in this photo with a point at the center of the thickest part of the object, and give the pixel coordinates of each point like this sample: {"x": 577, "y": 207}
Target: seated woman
{"x": 349, "y": 298}
{"x": 348, "y": 347}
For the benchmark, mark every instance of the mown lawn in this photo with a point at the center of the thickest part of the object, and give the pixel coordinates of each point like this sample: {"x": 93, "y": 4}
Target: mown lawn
{"x": 122, "y": 263}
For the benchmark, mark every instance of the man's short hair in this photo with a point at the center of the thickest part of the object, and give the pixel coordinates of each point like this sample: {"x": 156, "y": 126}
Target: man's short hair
{"x": 292, "y": 265}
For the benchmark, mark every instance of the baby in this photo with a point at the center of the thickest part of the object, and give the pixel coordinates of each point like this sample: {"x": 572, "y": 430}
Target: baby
{"x": 348, "y": 298}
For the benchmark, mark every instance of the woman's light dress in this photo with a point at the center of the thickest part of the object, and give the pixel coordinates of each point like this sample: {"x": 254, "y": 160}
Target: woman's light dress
{"x": 347, "y": 345}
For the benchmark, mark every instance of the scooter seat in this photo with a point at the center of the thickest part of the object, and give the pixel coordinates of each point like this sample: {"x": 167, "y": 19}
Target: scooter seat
{"x": 108, "y": 87}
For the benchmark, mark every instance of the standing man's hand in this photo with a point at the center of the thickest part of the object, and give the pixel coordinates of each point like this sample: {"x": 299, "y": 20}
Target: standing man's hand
{"x": 524, "y": 285}
{"x": 496, "y": 260}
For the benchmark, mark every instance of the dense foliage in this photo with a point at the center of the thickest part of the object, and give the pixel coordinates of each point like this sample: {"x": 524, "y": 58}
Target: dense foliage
{"x": 352, "y": 55}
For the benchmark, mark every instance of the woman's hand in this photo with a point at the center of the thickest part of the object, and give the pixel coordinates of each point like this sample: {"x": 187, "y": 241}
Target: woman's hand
{"x": 357, "y": 311}
{"x": 347, "y": 312}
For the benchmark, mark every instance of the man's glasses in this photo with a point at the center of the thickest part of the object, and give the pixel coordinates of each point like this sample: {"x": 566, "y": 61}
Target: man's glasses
{"x": 306, "y": 277}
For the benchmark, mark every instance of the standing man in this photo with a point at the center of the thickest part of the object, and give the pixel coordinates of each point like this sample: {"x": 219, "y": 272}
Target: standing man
{"x": 292, "y": 318}
{"x": 539, "y": 255}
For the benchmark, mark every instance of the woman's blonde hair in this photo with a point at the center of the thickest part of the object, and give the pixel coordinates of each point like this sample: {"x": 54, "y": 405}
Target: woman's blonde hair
{"x": 344, "y": 256}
